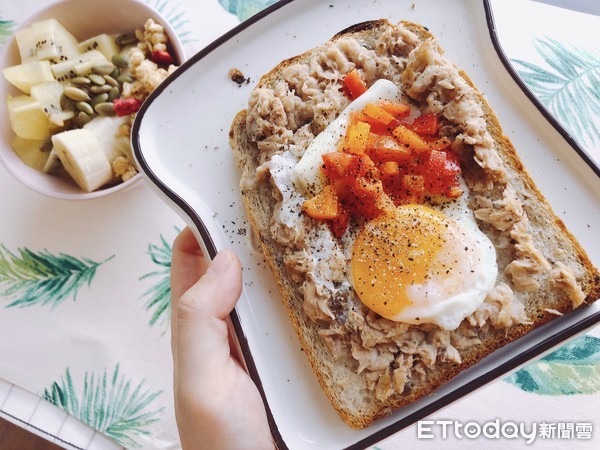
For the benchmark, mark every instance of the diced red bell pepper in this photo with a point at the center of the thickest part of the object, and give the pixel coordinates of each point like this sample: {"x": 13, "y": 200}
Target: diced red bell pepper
{"x": 379, "y": 114}
{"x": 426, "y": 124}
{"x": 356, "y": 137}
{"x": 343, "y": 165}
{"x": 339, "y": 225}
{"x": 383, "y": 148}
{"x": 398, "y": 110}
{"x": 440, "y": 171}
{"x": 362, "y": 197}
{"x": 336, "y": 165}
{"x": 354, "y": 84}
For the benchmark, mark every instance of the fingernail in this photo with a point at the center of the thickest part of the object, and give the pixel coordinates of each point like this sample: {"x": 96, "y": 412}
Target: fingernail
{"x": 221, "y": 263}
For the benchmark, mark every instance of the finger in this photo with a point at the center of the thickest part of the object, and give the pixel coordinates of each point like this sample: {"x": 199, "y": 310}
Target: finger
{"x": 188, "y": 263}
{"x": 202, "y": 344}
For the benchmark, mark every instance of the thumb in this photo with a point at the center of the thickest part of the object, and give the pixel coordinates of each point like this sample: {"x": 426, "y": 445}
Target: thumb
{"x": 201, "y": 342}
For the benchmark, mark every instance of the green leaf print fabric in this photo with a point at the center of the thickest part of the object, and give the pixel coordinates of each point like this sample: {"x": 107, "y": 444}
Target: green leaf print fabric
{"x": 109, "y": 402}
{"x": 158, "y": 296}
{"x": 572, "y": 369}
{"x": 6, "y": 30}
{"x": 568, "y": 85}
{"x": 42, "y": 278}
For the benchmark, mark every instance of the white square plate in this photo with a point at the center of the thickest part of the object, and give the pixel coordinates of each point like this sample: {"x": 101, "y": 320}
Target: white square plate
{"x": 180, "y": 140}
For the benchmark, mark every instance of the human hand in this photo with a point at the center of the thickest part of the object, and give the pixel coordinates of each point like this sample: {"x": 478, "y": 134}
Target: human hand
{"x": 217, "y": 405}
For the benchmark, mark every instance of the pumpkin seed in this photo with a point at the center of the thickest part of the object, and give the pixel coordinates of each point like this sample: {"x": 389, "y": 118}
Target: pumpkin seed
{"x": 125, "y": 78}
{"x": 115, "y": 73}
{"x": 83, "y": 118}
{"x": 66, "y": 103}
{"x": 111, "y": 81}
{"x": 113, "y": 93}
{"x": 76, "y": 94}
{"x": 126, "y": 39}
{"x": 105, "y": 109}
{"x": 100, "y": 89}
{"x": 120, "y": 61}
{"x": 81, "y": 81}
{"x": 97, "y": 79}
{"x": 100, "y": 98}
{"x": 103, "y": 67}
{"x": 85, "y": 107}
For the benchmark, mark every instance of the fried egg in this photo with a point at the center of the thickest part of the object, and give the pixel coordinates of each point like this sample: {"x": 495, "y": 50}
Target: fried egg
{"x": 420, "y": 265}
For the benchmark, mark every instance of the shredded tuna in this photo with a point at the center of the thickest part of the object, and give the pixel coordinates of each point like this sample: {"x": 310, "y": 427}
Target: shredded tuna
{"x": 299, "y": 264}
{"x": 374, "y": 359}
{"x": 332, "y": 337}
{"x": 384, "y": 387}
{"x": 501, "y": 308}
{"x": 316, "y": 306}
{"x": 562, "y": 278}
{"x": 501, "y": 214}
{"x": 523, "y": 273}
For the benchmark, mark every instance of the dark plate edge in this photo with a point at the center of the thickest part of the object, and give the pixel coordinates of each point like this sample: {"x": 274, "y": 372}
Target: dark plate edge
{"x": 429, "y": 409}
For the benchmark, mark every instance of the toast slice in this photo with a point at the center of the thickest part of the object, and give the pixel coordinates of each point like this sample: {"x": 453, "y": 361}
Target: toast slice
{"x": 542, "y": 271}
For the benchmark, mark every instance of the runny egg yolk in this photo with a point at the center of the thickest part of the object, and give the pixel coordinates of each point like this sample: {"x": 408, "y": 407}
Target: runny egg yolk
{"x": 416, "y": 265}
{"x": 393, "y": 252}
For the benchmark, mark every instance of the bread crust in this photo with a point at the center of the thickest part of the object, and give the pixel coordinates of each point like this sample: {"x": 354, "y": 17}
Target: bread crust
{"x": 356, "y": 411}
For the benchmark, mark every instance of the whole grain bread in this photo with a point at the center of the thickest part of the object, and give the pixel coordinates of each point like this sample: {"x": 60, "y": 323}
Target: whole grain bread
{"x": 338, "y": 377}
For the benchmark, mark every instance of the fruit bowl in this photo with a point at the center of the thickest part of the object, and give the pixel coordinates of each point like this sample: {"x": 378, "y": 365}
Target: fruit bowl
{"x": 84, "y": 20}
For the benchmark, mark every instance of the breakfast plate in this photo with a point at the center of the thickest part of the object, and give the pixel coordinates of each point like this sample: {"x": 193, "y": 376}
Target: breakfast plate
{"x": 180, "y": 140}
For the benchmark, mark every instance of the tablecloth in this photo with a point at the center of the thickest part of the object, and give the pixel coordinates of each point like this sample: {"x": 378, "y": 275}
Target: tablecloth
{"x": 84, "y": 286}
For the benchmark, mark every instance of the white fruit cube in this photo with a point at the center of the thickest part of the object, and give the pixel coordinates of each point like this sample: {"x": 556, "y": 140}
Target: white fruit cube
{"x": 105, "y": 43}
{"x": 28, "y": 150}
{"x": 25, "y": 75}
{"x": 64, "y": 71}
{"x": 48, "y": 96}
{"x": 26, "y": 42}
{"x": 54, "y": 42}
{"x": 58, "y": 119}
{"x": 79, "y": 66}
{"x": 83, "y": 158}
{"x": 27, "y": 117}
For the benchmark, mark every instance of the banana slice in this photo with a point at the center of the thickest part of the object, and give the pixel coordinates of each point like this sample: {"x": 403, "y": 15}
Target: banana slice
{"x": 112, "y": 141}
{"x": 83, "y": 158}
